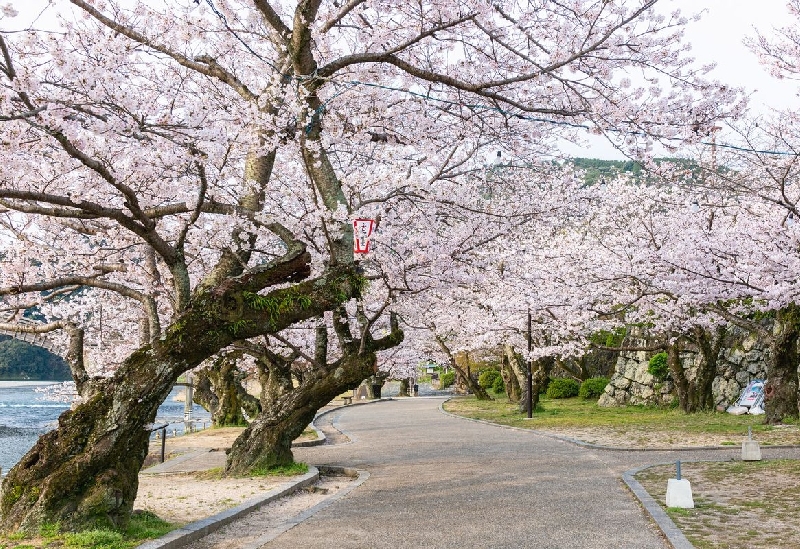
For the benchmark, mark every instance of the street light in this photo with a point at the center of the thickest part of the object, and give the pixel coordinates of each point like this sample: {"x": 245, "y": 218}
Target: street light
{"x": 530, "y": 369}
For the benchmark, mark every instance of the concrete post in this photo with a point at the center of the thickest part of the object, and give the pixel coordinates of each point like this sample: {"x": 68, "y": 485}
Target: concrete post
{"x": 751, "y": 450}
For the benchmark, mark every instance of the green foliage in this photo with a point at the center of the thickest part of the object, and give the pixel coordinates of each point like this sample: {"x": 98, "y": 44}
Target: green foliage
{"x": 573, "y": 413}
{"x": 143, "y": 525}
{"x": 657, "y": 367}
{"x": 487, "y": 378}
{"x": 446, "y": 380}
{"x": 22, "y": 361}
{"x": 562, "y": 387}
{"x": 608, "y": 338}
{"x": 238, "y": 326}
{"x": 592, "y": 388}
{"x": 499, "y": 386}
{"x": 274, "y": 306}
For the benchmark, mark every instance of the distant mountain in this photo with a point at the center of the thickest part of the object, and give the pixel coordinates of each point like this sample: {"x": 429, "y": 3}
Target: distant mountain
{"x": 22, "y": 361}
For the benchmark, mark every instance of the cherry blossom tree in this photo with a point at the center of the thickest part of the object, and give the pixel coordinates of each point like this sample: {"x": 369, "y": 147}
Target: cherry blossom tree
{"x": 201, "y": 164}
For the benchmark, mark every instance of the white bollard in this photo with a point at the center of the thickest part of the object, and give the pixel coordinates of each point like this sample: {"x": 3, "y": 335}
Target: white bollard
{"x": 679, "y": 491}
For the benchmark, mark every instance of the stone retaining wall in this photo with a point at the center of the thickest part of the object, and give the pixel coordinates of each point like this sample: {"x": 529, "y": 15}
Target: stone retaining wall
{"x": 743, "y": 359}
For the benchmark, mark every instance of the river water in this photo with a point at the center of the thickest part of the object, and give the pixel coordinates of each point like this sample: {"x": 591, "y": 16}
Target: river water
{"x": 25, "y": 415}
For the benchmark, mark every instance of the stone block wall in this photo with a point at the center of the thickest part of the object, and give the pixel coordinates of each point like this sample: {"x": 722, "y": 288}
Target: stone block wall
{"x": 743, "y": 359}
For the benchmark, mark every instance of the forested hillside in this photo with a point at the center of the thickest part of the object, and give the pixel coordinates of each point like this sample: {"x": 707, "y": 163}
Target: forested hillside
{"x": 22, "y": 361}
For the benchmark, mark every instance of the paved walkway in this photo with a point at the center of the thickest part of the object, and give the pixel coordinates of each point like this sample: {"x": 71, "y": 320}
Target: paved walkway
{"x": 439, "y": 481}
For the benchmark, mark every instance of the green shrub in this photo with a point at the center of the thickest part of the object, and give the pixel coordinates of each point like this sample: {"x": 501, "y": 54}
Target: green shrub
{"x": 499, "y": 385}
{"x": 657, "y": 367}
{"x": 562, "y": 387}
{"x": 488, "y": 378}
{"x": 446, "y": 380}
{"x": 593, "y": 387}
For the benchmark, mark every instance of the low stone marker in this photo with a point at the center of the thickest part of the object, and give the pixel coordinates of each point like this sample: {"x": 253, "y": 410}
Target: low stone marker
{"x": 679, "y": 491}
{"x": 751, "y": 451}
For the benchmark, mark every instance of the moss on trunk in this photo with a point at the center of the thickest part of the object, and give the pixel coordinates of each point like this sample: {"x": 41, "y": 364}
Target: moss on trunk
{"x": 781, "y": 389}
{"x": 85, "y": 472}
{"x": 219, "y": 390}
{"x": 268, "y": 439}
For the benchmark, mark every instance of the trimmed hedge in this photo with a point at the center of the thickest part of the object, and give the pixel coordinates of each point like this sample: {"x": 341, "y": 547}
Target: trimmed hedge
{"x": 592, "y": 387}
{"x": 562, "y": 387}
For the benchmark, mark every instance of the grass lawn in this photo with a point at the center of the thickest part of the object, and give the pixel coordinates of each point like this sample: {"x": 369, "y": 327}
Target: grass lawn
{"x": 585, "y": 416}
{"x": 143, "y": 526}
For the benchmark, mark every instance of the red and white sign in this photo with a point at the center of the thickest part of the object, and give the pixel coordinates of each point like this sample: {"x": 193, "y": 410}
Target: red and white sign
{"x": 362, "y": 229}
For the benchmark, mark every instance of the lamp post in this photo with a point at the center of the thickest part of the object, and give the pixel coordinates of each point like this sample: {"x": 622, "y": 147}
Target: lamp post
{"x": 530, "y": 369}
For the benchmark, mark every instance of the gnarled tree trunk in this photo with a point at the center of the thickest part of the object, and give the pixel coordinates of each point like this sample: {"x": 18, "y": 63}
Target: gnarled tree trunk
{"x": 288, "y": 408}
{"x": 701, "y": 396}
{"x": 218, "y": 388}
{"x": 678, "y": 375}
{"x": 781, "y": 389}
{"x": 85, "y": 472}
{"x": 267, "y": 441}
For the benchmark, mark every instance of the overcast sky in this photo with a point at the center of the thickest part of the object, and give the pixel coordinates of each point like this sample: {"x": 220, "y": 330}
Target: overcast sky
{"x": 718, "y": 37}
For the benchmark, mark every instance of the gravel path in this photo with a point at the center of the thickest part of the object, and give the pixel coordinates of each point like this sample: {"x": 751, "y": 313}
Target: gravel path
{"x": 441, "y": 481}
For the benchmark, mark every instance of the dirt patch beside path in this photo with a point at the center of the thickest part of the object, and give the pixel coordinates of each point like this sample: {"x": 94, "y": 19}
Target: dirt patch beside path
{"x": 738, "y": 504}
{"x": 186, "y": 496}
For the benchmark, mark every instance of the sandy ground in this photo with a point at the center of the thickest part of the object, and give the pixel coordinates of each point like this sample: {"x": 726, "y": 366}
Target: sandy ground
{"x": 185, "y": 493}
{"x": 182, "y": 497}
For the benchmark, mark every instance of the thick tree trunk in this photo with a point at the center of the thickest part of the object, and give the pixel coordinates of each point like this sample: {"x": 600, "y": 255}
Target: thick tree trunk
{"x": 268, "y": 440}
{"x": 287, "y": 409}
{"x": 520, "y": 372}
{"x": 405, "y": 388}
{"x": 701, "y": 396}
{"x": 679, "y": 376}
{"x": 781, "y": 390}
{"x": 513, "y": 389}
{"x": 218, "y": 388}
{"x": 84, "y": 473}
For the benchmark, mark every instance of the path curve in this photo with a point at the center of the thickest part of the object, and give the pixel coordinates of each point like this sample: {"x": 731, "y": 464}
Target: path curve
{"x": 440, "y": 481}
